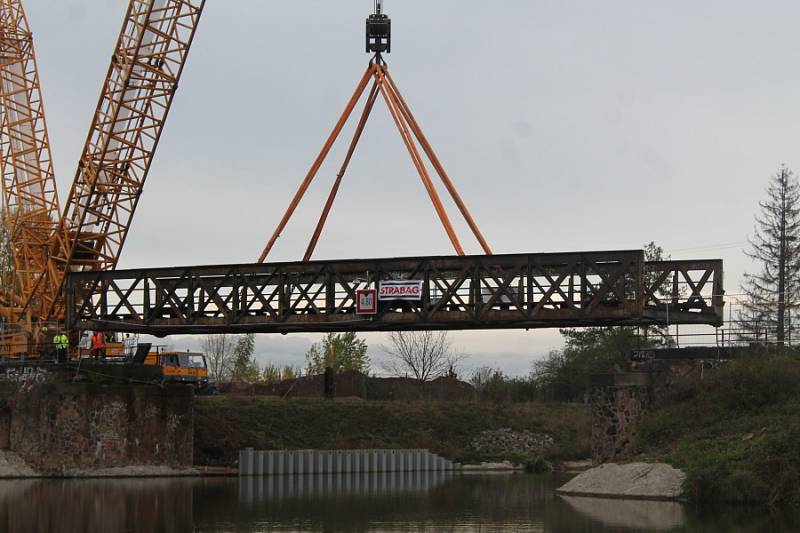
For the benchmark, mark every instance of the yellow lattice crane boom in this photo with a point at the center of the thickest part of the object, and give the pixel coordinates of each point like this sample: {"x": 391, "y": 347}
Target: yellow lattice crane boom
{"x": 142, "y": 78}
{"x": 31, "y": 210}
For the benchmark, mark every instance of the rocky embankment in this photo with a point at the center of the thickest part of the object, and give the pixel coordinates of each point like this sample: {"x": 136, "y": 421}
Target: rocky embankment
{"x": 12, "y": 466}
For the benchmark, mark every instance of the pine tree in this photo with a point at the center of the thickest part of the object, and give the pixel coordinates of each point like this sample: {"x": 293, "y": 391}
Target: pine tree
{"x": 774, "y": 293}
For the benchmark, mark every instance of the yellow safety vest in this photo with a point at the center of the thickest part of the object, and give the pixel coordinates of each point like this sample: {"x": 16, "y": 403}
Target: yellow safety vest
{"x": 61, "y": 341}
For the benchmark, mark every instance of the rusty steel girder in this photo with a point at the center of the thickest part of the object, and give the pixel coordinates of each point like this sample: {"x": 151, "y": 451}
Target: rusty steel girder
{"x": 468, "y": 292}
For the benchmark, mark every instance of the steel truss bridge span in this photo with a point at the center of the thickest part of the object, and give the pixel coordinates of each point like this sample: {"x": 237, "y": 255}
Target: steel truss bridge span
{"x": 456, "y": 293}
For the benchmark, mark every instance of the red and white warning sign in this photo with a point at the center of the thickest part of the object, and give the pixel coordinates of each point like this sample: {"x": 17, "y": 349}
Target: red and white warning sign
{"x": 400, "y": 290}
{"x": 366, "y": 302}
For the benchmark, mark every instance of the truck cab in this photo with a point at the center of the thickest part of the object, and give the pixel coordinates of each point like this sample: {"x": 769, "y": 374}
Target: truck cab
{"x": 181, "y": 367}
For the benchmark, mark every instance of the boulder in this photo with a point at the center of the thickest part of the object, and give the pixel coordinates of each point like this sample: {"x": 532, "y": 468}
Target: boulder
{"x": 649, "y": 481}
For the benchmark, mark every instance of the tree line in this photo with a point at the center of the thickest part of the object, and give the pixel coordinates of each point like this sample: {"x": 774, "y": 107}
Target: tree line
{"x": 424, "y": 356}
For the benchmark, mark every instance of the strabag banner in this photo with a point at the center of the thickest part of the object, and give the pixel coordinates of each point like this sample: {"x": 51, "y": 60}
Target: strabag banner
{"x": 400, "y": 290}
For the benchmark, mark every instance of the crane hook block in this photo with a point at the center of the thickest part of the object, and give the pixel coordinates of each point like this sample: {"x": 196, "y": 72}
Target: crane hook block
{"x": 379, "y": 31}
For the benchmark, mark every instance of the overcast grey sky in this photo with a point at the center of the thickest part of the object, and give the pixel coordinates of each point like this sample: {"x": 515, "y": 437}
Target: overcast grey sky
{"x": 577, "y": 125}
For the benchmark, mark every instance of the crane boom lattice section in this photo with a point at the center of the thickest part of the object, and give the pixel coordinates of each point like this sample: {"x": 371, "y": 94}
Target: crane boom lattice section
{"x": 29, "y": 189}
{"x": 467, "y": 292}
{"x": 136, "y": 98}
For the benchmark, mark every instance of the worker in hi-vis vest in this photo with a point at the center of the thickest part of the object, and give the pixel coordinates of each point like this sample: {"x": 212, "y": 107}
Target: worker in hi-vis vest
{"x": 62, "y": 346}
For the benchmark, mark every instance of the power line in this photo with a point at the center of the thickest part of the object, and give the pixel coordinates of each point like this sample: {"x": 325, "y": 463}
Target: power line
{"x": 709, "y": 247}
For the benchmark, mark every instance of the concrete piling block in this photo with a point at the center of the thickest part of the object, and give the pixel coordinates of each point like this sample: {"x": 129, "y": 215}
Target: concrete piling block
{"x": 247, "y": 466}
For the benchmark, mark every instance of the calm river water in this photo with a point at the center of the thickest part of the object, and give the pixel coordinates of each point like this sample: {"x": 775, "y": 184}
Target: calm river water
{"x": 367, "y": 503}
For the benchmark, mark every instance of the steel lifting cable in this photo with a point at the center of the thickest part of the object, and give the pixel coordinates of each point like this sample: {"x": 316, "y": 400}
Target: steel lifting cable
{"x": 409, "y": 130}
{"x": 373, "y": 95}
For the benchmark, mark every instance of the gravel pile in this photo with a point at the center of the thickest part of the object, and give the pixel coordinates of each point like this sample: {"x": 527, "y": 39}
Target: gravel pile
{"x": 508, "y": 440}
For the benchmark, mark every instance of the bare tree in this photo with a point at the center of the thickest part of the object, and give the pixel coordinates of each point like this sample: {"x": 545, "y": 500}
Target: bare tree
{"x": 424, "y": 355}
{"x": 219, "y": 351}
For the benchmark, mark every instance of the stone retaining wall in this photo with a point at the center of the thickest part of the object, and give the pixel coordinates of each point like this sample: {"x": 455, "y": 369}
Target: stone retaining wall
{"x": 63, "y": 428}
{"x": 616, "y": 411}
{"x": 619, "y": 400}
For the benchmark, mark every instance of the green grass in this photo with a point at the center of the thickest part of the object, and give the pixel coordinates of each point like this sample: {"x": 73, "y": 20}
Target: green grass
{"x": 226, "y": 424}
{"x": 737, "y": 436}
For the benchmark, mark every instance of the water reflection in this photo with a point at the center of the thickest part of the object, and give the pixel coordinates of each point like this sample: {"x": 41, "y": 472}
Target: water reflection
{"x": 70, "y": 506}
{"x": 272, "y": 488}
{"x": 632, "y": 514}
{"x": 434, "y": 502}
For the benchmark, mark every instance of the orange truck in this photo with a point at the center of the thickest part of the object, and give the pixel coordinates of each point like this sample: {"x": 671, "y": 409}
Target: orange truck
{"x": 182, "y": 367}
{"x": 176, "y": 367}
